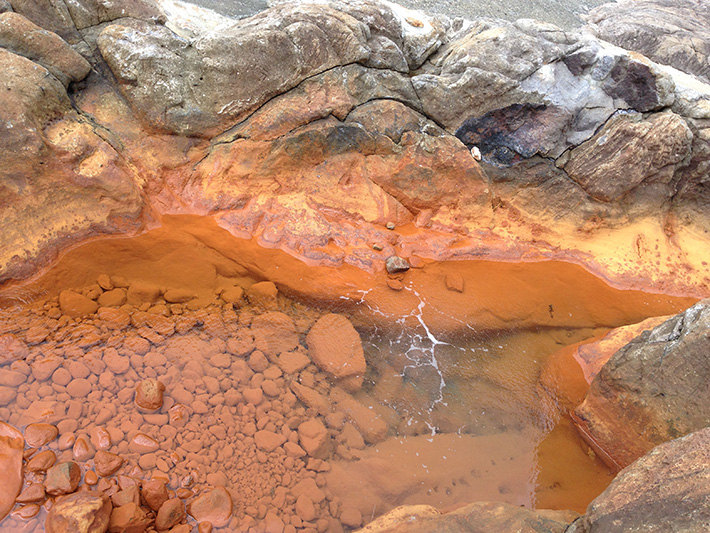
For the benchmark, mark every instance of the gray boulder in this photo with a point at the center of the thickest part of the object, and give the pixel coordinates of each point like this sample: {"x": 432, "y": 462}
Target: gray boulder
{"x": 652, "y": 390}
{"x": 201, "y": 86}
{"x": 665, "y": 490}
{"x": 671, "y": 32}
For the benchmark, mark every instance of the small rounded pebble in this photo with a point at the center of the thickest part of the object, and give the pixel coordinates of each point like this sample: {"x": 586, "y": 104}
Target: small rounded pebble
{"x": 91, "y": 478}
{"x": 149, "y": 394}
{"x": 42, "y": 461}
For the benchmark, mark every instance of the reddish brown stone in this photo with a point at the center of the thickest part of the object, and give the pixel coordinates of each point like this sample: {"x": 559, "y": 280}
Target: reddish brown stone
{"x": 107, "y": 463}
{"x": 268, "y": 440}
{"x": 32, "y": 493}
{"x": 11, "y": 446}
{"x": 214, "y": 506}
{"x": 154, "y": 493}
{"x": 37, "y": 435}
{"x": 336, "y": 347}
{"x": 171, "y": 513}
{"x": 149, "y": 394}
{"x": 128, "y": 518}
{"x": 74, "y": 304}
{"x": 42, "y": 461}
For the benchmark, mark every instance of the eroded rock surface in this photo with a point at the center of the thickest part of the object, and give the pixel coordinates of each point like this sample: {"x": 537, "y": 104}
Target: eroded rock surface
{"x": 671, "y": 32}
{"x": 652, "y": 390}
{"x": 665, "y": 490}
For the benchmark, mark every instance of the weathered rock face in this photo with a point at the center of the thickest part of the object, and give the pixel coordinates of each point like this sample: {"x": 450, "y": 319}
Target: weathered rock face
{"x": 59, "y": 181}
{"x": 665, "y": 490}
{"x": 68, "y": 18}
{"x": 215, "y": 81}
{"x": 86, "y": 512}
{"x": 22, "y": 37}
{"x": 363, "y": 116}
{"x": 652, "y": 390}
{"x": 666, "y": 31}
{"x": 477, "y": 517}
{"x": 629, "y": 151}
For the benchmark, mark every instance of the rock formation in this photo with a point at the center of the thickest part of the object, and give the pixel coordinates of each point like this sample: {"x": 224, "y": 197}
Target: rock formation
{"x": 666, "y": 490}
{"x": 652, "y": 390}
{"x": 344, "y": 134}
{"x": 363, "y": 115}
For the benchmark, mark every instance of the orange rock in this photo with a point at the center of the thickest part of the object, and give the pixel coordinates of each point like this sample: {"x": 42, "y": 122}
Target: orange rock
{"x": 100, "y": 438}
{"x": 292, "y": 362}
{"x": 107, "y": 463}
{"x": 305, "y": 509}
{"x": 373, "y": 428}
{"x": 11, "y": 446}
{"x": 454, "y": 282}
{"x": 204, "y": 527}
{"x": 128, "y": 518}
{"x": 336, "y": 347}
{"x": 90, "y": 478}
{"x": 27, "y": 511}
{"x": 83, "y": 450}
{"x": 42, "y": 461}
{"x": 268, "y": 440}
{"x": 142, "y": 292}
{"x": 178, "y": 415}
{"x": 142, "y": 443}
{"x": 311, "y": 398}
{"x": 37, "y": 435}
{"x": 263, "y": 295}
{"x": 149, "y": 394}
{"x": 154, "y": 493}
{"x": 214, "y": 506}
{"x": 171, "y": 513}
{"x": 86, "y": 512}
{"x": 128, "y": 495}
{"x": 112, "y": 298}
{"x": 32, "y": 493}
{"x": 313, "y": 437}
{"x": 74, "y": 304}
{"x": 232, "y": 294}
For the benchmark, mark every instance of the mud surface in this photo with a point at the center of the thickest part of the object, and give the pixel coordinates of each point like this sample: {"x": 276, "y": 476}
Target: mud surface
{"x": 176, "y": 352}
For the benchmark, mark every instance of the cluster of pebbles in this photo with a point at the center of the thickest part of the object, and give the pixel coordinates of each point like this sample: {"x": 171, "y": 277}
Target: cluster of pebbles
{"x": 144, "y": 408}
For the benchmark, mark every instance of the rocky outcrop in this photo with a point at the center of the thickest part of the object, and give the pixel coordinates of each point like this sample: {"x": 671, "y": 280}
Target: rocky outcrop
{"x": 60, "y": 181}
{"x": 670, "y": 32}
{"x": 218, "y": 79}
{"x": 22, "y": 37}
{"x": 666, "y": 490}
{"x": 364, "y": 116}
{"x": 652, "y": 390}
